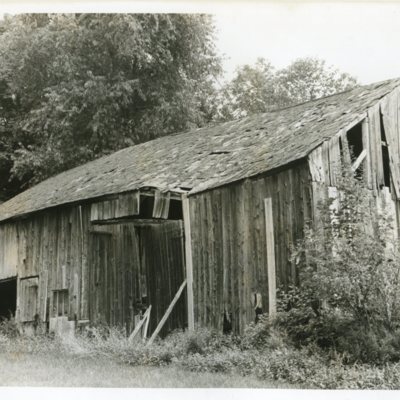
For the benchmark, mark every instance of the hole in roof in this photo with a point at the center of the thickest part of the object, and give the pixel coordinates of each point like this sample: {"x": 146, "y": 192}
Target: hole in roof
{"x": 220, "y": 152}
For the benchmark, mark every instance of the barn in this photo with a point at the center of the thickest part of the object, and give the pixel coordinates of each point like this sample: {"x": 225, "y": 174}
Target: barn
{"x": 193, "y": 229}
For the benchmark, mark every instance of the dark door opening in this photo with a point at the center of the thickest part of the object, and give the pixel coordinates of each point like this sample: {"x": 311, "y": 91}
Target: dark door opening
{"x": 8, "y": 298}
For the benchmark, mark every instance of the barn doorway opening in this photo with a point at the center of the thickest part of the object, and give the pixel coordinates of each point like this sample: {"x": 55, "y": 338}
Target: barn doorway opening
{"x": 8, "y": 298}
{"x": 134, "y": 265}
{"x": 162, "y": 267}
{"x": 137, "y": 266}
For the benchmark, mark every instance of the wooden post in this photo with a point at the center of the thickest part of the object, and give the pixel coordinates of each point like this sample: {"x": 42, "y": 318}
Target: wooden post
{"x": 18, "y": 306}
{"x": 145, "y": 318}
{"x": 43, "y": 288}
{"x": 189, "y": 261}
{"x": 269, "y": 232}
{"x": 146, "y": 325}
{"x": 167, "y": 313}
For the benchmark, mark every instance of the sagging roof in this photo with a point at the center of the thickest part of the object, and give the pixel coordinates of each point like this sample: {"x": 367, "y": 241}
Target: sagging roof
{"x": 208, "y": 157}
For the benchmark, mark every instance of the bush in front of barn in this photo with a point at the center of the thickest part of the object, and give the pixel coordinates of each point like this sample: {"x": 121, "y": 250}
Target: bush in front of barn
{"x": 347, "y": 301}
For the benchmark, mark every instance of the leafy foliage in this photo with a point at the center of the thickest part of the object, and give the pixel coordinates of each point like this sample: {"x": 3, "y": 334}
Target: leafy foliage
{"x": 8, "y": 327}
{"x": 350, "y": 280}
{"x": 261, "y": 87}
{"x": 309, "y": 79}
{"x": 77, "y": 86}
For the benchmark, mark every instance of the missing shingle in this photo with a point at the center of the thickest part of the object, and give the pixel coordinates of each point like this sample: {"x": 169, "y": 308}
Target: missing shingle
{"x": 220, "y": 152}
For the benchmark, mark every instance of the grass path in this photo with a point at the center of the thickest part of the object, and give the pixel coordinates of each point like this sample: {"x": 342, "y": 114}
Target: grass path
{"x": 21, "y": 369}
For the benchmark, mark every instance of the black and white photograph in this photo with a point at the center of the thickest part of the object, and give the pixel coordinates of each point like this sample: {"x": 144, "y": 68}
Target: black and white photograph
{"x": 200, "y": 196}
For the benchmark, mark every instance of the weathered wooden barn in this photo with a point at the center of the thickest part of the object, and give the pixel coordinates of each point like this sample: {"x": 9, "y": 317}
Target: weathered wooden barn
{"x": 212, "y": 212}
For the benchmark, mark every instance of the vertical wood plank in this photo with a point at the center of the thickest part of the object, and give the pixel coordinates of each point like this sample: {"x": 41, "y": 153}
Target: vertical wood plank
{"x": 366, "y": 146}
{"x": 376, "y": 144}
{"x": 269, "y": 230}
{"x": 189, "y": 261}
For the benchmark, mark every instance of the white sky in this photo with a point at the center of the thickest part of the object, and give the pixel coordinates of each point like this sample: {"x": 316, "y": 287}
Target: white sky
{"x": 359, "y": 38}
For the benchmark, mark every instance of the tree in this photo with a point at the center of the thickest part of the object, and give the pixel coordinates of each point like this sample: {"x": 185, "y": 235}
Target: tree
{"x": 261, "y": 88}
{"x": 251, "y": 91}
{"x": 78, "y": 86}
{"x": 309, "y": 79}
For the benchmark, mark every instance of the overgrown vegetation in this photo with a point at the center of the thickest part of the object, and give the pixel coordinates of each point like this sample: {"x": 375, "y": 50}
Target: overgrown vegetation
{"x": 349, "y": 267}
{"x": 264, "y": 352}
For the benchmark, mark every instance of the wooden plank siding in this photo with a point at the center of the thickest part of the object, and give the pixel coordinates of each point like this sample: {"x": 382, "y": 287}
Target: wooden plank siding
{"x": 49, "y": 246}
{"x": 384, "y": 116}
{"x": 125, "y": 204}
{"x": 229, "y": 243}
{"x": 100, "y": 268}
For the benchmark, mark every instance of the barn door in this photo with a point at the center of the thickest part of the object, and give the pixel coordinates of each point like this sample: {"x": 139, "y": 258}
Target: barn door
{"x": 101, "y": 278}
{"x": 162, "y": 257}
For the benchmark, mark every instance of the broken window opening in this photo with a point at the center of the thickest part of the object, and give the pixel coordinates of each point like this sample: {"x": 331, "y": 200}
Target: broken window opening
{"x": 8, "y": 298}
{"x": 146, "y": 207}
{"x": 354, "y": 139}
{"x": 175, "y": 209}
{"x": 356, "y": 148}
{"x": 385, "y": 155}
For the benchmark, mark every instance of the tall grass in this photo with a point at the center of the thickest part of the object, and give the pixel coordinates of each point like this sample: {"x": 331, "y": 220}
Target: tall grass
{"x": 263, "y": 352}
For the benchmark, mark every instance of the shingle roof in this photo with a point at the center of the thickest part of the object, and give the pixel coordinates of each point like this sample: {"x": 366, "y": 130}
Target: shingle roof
{"x": 208, "y": 157}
